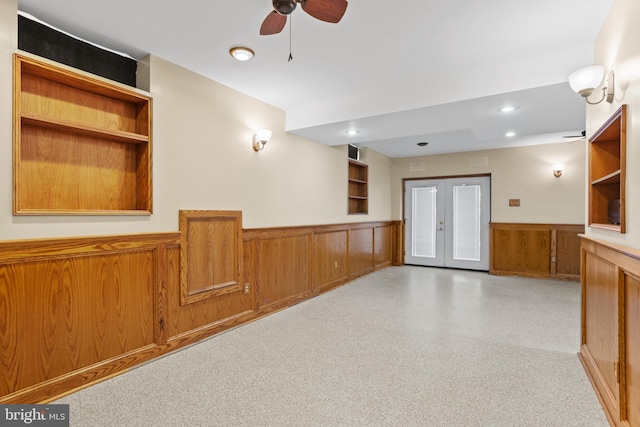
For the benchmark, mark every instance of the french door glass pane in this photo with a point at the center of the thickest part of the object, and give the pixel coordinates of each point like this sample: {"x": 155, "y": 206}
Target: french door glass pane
{"x": 423, "y": 223}
{"x": 466, "y": 222}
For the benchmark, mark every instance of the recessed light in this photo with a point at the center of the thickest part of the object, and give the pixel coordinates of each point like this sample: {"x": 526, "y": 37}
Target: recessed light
{"x": 352, "y": 132}
{"x": 241, "y": 53}
{"x": 422, "y": 144}
{"x": 510, "y": 134}
{"x": 507, "y": 109}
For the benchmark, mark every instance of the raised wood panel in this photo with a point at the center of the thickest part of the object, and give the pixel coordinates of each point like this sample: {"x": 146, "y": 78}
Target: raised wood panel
{"x": 211, "y": 254}
{"x": 283, "y": 268}
{"x": 360, "y": 251}
{"x": 65, "y": 313}
{"x": 205, "y": 313}
{"x": 536, "y": 250}
{"x": 330, "y": 257}
{"x": 568, "y": 250}
{"x": 526, "y": 251}
{"x": 631, "y": 351}
{"x": 600, "y": 306}
{"x": 383, "y": 246}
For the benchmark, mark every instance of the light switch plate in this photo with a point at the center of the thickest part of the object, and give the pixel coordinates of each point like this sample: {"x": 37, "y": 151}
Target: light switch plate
{"x": 514, "y": 202}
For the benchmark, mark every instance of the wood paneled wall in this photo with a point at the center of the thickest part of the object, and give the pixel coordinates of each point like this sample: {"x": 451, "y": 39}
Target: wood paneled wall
{"x": 75, "y": 311}
{"x": 315, "y": 258}
{"x": 610, "y": 348}
{"x": 536, "y": 250}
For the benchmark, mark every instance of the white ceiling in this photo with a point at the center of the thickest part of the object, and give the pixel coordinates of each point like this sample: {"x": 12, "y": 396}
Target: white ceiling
{"x": 399, "y": 72}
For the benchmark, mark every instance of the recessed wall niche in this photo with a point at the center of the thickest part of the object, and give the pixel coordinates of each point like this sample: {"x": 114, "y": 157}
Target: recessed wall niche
{"x": 82, "y": 145}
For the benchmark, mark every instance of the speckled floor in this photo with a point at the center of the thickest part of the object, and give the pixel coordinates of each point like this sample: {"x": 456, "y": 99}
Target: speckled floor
{"x": 405, "y": 346}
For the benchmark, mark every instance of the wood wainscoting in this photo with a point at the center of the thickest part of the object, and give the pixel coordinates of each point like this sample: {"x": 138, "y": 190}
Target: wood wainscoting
{"x": 536, "y": 250}
{"x": 610, "y": 344}
{"x": 315, "y": 259}
{"x": 76, "y": 311}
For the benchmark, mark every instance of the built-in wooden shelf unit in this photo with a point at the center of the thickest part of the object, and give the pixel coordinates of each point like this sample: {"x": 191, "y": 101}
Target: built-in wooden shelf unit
{"x": 607, "y": 162}
{"x": 358, "y": 188}
{"x": 82, "y": 145}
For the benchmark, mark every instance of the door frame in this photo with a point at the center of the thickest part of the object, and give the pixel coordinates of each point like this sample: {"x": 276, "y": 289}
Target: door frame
{"x": 402, "y": 198}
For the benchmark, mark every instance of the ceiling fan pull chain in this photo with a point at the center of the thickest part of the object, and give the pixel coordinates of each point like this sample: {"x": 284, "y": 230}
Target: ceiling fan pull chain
{"x": 290, "y": 32}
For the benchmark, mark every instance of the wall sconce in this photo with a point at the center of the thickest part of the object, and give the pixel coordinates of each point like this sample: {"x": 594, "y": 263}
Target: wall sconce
{"x": 557, "y": 169}
{"x": 585, "y": 80}
{"x": 260, "y": 139}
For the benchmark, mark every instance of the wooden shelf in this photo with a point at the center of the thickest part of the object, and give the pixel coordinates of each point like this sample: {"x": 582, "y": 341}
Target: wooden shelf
{"x": 81, "y": 129}
{"x": 357, "y": 181}
{"x": 612, "y": 178}
{"x": 607, "y": 170}
{"x": 82, "y": 145}
{"x": 358, "y": 192}
{"x": 610, "y": 227}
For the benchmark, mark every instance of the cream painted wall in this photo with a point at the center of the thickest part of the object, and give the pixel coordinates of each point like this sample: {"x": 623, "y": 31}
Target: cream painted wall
{"x": 202, "y": 138}
{"x": 523, "y": 173}
{"x": 618, "y": 48}
{"x": 202, "y": 159}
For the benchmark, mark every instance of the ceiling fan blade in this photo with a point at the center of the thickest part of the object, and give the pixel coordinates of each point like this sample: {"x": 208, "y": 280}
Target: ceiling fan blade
{"x": 325, "y": 10}
{"x": 582, "y": 135}
{"x": 273, "y": 24}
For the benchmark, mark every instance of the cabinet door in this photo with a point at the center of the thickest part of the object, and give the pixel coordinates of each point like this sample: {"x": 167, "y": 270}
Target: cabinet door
{"x": 632, "y": 349}
{"x": 600, "y": 327}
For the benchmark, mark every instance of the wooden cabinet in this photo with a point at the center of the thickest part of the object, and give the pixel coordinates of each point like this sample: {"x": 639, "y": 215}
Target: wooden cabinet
{"x": 82, "y": 145}
{"x": 358, "y": 188}
{"x": 610, "y": 348}
{"x": 607, "y": 152}
{"x": 535, "y": 250}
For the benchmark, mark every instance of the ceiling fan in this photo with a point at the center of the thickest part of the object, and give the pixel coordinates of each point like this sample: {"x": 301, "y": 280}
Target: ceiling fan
{"x": 579, "y": 137}
{"x": 324, "y": 10}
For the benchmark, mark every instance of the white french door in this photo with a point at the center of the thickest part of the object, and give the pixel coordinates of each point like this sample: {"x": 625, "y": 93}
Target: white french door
{"x": 447, "y": 222}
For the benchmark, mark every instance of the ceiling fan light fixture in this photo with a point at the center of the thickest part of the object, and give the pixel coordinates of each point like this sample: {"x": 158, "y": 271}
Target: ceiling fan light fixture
{"x": 241, "y": 53}
{"x": 284, "y": 7}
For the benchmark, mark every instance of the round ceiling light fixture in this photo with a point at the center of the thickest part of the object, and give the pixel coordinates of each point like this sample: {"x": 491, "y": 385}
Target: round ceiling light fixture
{"x": 241, "y": 53}
{"x": 507, "y": 109}
{"x": 422, "y": 144}
{"x": 510, "y": 134}
{"x": 352, "y": 132}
